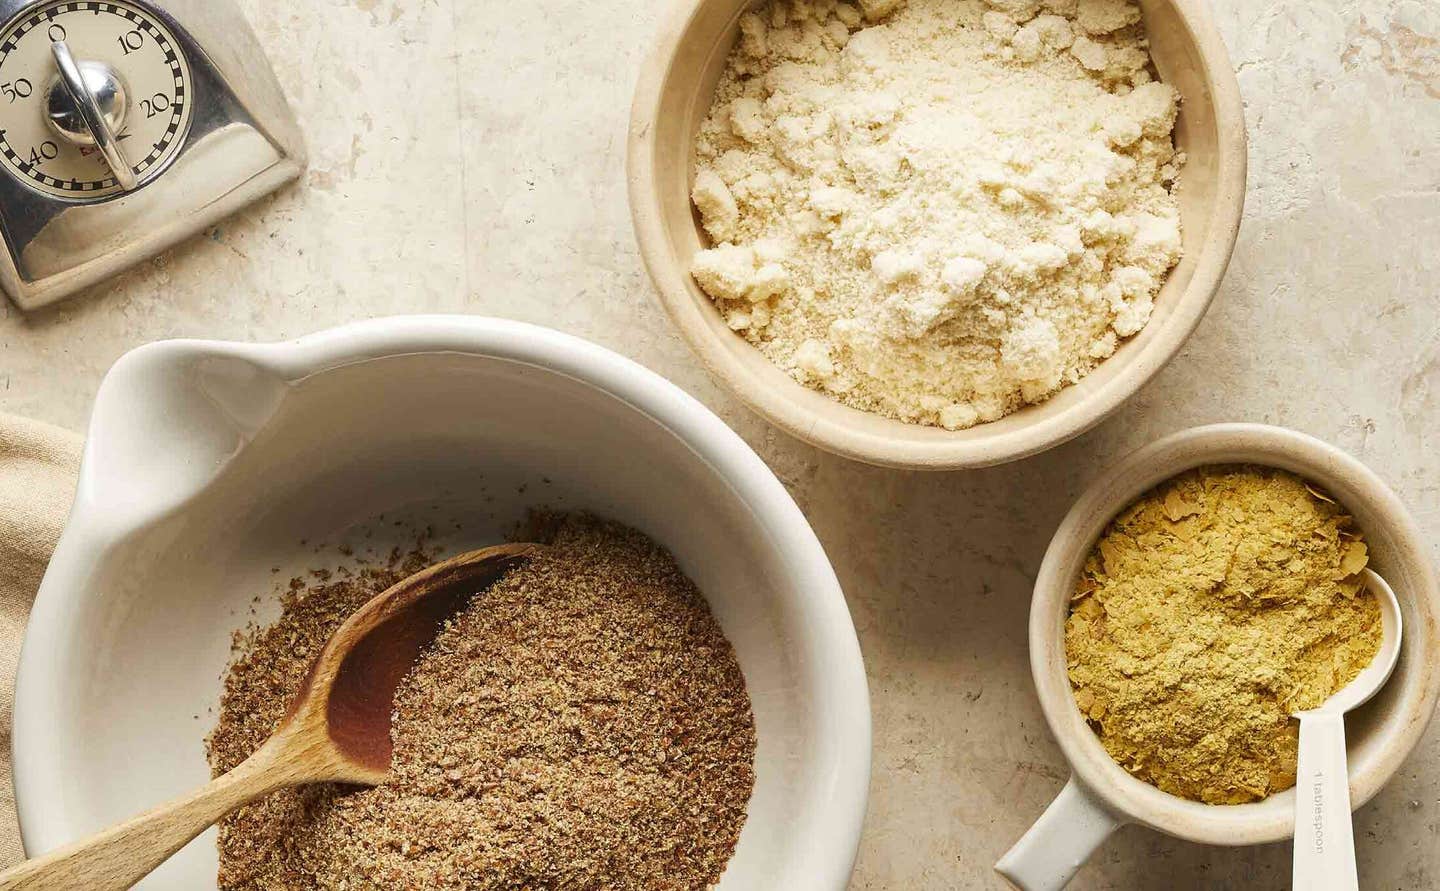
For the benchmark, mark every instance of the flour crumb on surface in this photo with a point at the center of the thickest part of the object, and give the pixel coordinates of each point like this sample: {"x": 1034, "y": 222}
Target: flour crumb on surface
{"x": 938, "y": 210}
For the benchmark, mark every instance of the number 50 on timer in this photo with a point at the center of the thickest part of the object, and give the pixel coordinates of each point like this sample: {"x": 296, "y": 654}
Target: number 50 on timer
{"x": 125, "y": 127}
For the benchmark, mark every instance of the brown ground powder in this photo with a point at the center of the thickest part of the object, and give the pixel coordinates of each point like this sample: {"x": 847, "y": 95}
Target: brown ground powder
{"x": 1210, "y": 611}
{"x": 583, "y": 724}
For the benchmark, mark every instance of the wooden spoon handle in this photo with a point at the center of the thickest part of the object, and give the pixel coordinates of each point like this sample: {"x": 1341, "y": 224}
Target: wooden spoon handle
{"x": 122, "y": 855}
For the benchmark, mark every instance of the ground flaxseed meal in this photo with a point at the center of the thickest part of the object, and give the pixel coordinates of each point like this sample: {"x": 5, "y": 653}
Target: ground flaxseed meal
{"x": 583, "y": 724}
{"x": 1211, "y": 610}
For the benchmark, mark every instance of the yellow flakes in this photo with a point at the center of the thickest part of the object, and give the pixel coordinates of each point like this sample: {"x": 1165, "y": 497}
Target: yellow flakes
{"x": 1354, "y": 559}
{"x": 1319, "y": 494}
{"x": 1177, "y": 507}
{"x": 1211, "y": 610}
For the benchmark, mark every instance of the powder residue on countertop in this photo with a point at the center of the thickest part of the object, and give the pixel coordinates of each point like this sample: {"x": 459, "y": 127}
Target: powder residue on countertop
{"x": 938, "y": 210}
{"x": 1210, "y": 611}
{"x": 582, "y": 724}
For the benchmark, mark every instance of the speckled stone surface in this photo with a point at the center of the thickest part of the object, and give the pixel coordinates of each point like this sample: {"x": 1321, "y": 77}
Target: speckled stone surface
{"x": 1329, "y": 322}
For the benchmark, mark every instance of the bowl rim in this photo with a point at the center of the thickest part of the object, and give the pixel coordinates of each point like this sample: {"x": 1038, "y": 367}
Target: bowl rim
{"x": 842, "y": 694}
{"x": 1271, "y": 819}
{"x": 944, "y": 450}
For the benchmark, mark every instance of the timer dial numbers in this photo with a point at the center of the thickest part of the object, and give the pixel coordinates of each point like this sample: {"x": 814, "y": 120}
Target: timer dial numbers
{"x": 131, "y": 41}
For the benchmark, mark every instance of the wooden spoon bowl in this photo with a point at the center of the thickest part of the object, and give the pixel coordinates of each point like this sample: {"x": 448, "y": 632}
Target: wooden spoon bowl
{"x": 337, "y": 729}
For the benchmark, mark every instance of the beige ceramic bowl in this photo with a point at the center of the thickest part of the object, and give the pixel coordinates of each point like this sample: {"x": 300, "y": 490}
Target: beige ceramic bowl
{"x": 675, "y": 90}
{"x": 1102, "y": 795}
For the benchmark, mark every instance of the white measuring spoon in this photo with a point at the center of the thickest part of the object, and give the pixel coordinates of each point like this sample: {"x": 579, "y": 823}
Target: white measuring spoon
{"x": 1324, "y": 839}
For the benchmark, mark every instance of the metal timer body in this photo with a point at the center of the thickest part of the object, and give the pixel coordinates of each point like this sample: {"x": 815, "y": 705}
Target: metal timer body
{"x": 126, "y": 126}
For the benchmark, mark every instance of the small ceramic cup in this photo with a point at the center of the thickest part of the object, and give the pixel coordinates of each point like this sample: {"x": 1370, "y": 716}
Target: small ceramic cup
{"x": 1101, "y": 796}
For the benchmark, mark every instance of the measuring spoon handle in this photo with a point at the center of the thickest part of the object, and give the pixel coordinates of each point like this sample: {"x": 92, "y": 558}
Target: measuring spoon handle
{"x": 1324, "y": 838}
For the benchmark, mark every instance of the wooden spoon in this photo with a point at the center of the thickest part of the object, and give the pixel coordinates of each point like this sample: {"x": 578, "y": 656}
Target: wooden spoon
{"x": 337, "y": 729}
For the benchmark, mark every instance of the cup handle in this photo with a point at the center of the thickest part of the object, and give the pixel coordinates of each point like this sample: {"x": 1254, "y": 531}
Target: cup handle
{"x": 1047, "y": 857}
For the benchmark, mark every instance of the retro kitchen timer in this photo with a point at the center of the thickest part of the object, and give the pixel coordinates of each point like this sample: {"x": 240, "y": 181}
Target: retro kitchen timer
{"x": 126, "y": 126}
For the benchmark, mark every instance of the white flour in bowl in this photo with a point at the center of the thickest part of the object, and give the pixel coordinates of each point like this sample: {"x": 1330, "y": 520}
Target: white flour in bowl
{"x": 938, "y": 210}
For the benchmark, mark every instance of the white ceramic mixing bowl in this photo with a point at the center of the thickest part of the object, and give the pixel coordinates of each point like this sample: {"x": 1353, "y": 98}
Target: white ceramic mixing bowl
{"x": 208, "y": 464}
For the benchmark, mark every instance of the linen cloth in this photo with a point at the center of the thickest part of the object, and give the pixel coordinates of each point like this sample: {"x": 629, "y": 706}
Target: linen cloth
{"x": 38, "y": 468}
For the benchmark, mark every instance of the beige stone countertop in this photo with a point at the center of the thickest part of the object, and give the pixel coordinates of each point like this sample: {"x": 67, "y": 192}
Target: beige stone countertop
{"x": 469, "y": 157}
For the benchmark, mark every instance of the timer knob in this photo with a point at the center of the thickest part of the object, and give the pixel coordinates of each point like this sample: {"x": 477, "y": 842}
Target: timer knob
{"x": 86, "y": 104}
{"x": 105, "y": 85}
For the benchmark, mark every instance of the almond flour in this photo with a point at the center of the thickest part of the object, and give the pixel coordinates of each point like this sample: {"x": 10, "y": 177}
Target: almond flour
{"x": 938, "y": 210}
{"x": 1210, "y": 611}
{"x": 582, "y": 724}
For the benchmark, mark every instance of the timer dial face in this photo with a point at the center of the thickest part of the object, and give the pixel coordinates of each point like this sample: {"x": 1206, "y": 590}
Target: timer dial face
{"x": 132, "y": 41}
